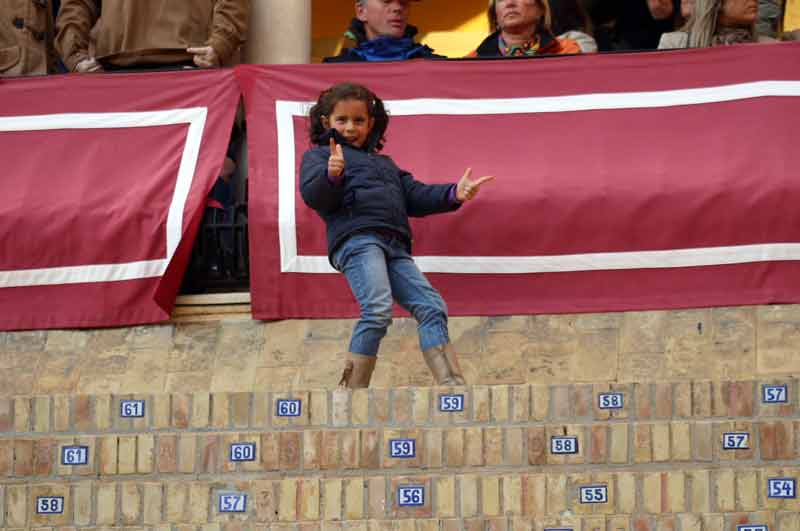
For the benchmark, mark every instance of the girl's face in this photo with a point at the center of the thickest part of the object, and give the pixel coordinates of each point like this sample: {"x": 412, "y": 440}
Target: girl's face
{"x": 351, "y": 119}
{"x": 518, "y": 15}
{"x": 738, "y": 12}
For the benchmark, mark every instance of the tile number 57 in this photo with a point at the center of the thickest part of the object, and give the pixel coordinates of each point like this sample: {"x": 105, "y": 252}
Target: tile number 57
{"x": 232, "y": 503}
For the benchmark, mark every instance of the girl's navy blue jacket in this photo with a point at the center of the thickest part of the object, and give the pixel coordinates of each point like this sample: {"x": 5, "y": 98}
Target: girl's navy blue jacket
{"x": 374, "y": 194}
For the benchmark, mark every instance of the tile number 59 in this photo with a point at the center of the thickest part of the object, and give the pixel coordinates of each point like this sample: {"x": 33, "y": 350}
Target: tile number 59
{"x": 49, "y": 505}
{"x": 451, "y": 402}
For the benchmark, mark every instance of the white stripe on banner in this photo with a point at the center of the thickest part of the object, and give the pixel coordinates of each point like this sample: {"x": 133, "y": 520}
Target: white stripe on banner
{"x": 195, "y": 117}
{"x": 291, "y": 262}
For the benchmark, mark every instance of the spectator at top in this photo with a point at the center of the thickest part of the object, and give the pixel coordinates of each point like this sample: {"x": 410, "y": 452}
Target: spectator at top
{"x": 522, "y": 28}
{"x": 26, "y": 37}
{"x": 570, "y": 21}
{"x": 631, "y": 24}
{"x": 93, "y": 36}
{"x": 382, "y": 33}
{"x": 791, "y": 20}
{"x": 717, "y": 23}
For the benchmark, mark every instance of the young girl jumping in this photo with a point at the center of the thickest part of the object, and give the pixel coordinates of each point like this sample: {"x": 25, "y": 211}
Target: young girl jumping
{"x": 365, "y": 200}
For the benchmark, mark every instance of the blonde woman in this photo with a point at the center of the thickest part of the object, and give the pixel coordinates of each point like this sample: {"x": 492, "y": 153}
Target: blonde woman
{"x": 717, "y": 23}
{"x": 522, "y": 28}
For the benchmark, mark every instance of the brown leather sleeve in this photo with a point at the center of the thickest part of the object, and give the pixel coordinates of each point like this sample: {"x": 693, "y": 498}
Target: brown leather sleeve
{"x": 229, "y": 27}
{"x": 73, "y": 26}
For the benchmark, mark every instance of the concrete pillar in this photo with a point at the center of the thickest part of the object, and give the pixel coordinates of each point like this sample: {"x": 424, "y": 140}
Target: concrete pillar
{"x": 280, "y": 32}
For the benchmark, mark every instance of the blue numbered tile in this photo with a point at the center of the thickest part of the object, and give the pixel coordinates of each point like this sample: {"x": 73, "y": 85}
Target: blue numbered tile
{"x": 232, "y": 502}
{"x": 782, "y": 488}
{"x": 411, "y": 496}
{"x": 402, "y": 448}
{"x": 288, "y": 408}
{"x": 131, "y": 409}
{"x": 594, "y": 494}
{"x": 451, "y": 403}
{"x": 564, "y": 445}
{"x": 74, "y": 455}
{"x": 752, "y": 527}
{"x": 50, "y": 505}
{"x": 774, "y": 394}
{"x": 243, "y": 452}
{"x": 735, "y": 441}
{"x": 611, "y": 400}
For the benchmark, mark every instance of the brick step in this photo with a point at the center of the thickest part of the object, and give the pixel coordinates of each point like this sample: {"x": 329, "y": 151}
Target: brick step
{"x": 776, "y": 521}
{"x": 421, "y": 406}
{"x": 501, "y": 447}
{"x": 729, "y": 492}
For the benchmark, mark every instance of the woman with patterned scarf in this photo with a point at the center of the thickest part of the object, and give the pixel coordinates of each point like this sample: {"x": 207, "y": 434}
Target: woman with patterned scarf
{"x": 717, "y": 23}
{"x": 522, "y": 28}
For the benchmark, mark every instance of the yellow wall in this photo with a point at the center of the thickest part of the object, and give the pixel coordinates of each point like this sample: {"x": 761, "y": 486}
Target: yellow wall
{"x": 450, "y": 31}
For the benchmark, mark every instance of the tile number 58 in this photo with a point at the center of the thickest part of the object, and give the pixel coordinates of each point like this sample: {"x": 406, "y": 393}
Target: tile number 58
{"x": 49, "y": 505}
{"x": 610, "y": 400}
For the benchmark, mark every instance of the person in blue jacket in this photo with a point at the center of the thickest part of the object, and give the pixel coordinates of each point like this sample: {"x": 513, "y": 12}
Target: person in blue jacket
{"x": 382, "y": 33}
{"x": 365, "y": 201}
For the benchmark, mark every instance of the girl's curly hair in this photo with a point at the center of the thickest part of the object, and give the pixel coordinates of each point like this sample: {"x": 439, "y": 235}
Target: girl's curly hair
{"x": 350, "y": 91}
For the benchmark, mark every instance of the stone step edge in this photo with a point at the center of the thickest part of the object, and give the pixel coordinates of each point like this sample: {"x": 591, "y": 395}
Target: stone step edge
{"x": 339, "y": 408}
{"x": 777, "y": 521}
{"x": 621, "y": 444}
{"x": 718, "y": 491}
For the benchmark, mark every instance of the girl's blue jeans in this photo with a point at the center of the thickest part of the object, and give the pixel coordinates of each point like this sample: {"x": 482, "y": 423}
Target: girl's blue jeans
{"x": 379, "y": 269}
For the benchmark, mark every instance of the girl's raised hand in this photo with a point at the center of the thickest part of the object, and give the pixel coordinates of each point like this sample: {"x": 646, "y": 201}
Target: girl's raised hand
{"x": 467, "y": 189}
{"x": 336, "y": 160}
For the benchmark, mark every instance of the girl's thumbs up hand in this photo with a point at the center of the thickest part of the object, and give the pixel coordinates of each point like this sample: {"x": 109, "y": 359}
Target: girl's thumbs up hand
{"x": 467, "y": 189}
{"x": 336, "y": 160}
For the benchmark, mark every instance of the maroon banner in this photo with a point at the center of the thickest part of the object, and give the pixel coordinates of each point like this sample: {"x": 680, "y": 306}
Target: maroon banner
{"x": 105, "y": 180}
{"x": 624, "y": 181}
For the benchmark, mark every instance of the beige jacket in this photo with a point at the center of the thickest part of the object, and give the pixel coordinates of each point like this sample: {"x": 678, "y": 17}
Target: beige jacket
{"x": 26, "y": 37}
{"x": 131, "y": 32}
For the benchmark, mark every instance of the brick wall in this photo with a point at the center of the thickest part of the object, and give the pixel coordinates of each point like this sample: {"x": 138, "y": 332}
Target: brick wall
{"x": 220, "y": 353}
{"x": 660, "y": 457}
